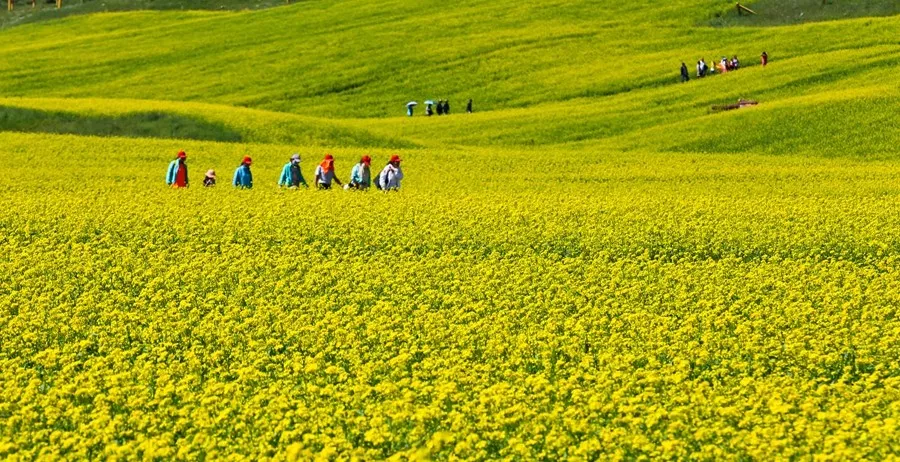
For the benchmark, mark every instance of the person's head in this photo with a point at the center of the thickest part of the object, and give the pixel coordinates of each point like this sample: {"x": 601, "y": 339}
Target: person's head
{"x": 366, "y": 160}
{"x": 295, "y": 159}
{"x": 182, "y": 156}
{"x": 247, "y": 161}
{"x": 211, "y": 174}
{"x": 395, "y": 160}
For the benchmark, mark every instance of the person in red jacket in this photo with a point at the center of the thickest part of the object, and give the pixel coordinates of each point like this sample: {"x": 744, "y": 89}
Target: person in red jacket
{"x": 177, "y": 176}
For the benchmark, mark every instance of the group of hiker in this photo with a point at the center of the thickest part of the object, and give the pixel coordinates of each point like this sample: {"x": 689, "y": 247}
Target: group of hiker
{"x": 442, "y": 107}
{"x": 723, "y": 66}
{"x": 292, "y": 177}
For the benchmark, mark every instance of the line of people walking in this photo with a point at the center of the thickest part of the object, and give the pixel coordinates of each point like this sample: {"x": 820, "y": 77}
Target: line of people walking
{"x": 361, "y": 177}
{"x": 723, "y": 66}
{"x": 442, "y": 107}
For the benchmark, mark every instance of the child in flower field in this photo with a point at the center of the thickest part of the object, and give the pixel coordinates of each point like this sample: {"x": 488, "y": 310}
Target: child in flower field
{"x": 210, "y": 179}
{"x": 243, "y": 177}
{"x": 177, "y": 175}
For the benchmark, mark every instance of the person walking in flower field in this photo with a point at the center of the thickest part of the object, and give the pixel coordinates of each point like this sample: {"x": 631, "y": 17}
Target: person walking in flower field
{"x": 177, "y": 175}
{"x": 243, "y": 177}
{"x": 325, "y": 173}
{"x": 361, "y": 175}
{"x": 391, "y": 175}
{"x": 291, "y": 176}
{"x": 210, "y": 179}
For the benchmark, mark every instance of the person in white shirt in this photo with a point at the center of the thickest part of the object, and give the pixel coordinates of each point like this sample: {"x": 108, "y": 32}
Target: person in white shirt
{"x": 325, "y": 173}
{"x": 390, "y": 177}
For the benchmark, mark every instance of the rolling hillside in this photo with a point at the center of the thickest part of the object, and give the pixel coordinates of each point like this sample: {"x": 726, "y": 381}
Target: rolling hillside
{"x": 592, "y": 265}
{"x": 573, "y": 72}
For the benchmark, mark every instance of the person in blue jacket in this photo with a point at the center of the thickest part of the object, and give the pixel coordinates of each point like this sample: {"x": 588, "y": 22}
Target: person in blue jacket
{"x": 243, "y": 178}
{"x": 291, "y": 176}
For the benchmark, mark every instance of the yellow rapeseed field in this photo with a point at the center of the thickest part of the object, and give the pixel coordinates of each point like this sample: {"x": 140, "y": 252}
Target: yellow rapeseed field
{"x": 564, "y": 305}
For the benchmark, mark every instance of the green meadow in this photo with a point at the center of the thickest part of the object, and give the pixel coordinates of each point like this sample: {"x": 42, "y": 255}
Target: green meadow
{"x": 594, "y": 264}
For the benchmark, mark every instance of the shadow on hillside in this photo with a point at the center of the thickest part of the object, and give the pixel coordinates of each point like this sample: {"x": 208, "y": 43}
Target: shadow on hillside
{"x": 23, "y": 13}
{"x": 136, "y": 125}
{"x": 786, "y": 12}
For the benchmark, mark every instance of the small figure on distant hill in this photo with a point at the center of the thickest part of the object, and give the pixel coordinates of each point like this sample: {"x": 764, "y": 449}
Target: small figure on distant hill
{"x": 291, "y": 176}
{"x": 469, "y": 106}
{"x": 764, "y": 59}
{"x": 684, "y": 73}
{"x": 390, "y": 176}
{"x": 702, "y": 68}
{"x": 428, "y": 110}
{"x": 446, "y": 107}
{"x": 243, "y": 177}
{"x": 361, "y": 175}
{"x": 210, "y": 179}
{"x": 325, "y": 173}
{"x": 735, "y": 64}
{"x": 440, "y": 107}
{"x": 409, "y": 109}
{"x": 177, "y": 175}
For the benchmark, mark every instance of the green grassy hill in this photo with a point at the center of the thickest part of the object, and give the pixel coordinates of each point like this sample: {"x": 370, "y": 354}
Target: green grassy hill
{"x": 559, "y": 73}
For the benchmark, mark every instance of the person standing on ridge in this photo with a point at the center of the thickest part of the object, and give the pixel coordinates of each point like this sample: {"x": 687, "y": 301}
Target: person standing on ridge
{"x": 177, "y": 175}
{"x": 469, "y": 106}
{"x": 325, "y": 173}
{"x": 243, "y": 177}
{"x": 764, "y": 59}
{"x": 446, "y": 107}
{"x": 210, "y": 179}
{"x": 440, "y": 107}
{"x": 291, "y": 176}
{"x": 361, "y": 175}
{"x": 390, "y": 176}
{"x": 684, "y": 73}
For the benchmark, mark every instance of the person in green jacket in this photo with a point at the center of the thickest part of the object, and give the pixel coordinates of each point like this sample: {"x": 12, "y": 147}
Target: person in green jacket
{"x": 291, "y": 176}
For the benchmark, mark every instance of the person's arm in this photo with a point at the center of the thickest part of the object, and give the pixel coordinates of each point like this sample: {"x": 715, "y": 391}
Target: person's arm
{"x": 337, "y": 180}
{"x": 170, "y": 174}
{"x": 237, "y": 177}
{"x": 285, "y": 176}
{"x": 318, "y": 174}
{"x": 303, "y": 180}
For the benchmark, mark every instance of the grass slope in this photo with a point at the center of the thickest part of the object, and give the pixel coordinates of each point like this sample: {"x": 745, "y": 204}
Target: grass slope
{"x": 568, "y": 72}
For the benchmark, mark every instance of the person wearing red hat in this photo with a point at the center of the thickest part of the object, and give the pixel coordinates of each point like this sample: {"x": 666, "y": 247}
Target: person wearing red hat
{"x": 390, "y": 176}
{"x": 177, "y": 176}
{"x": 243, "y": 177}
{"x": 325, "y": 173}
{"x": 361, "y": 175}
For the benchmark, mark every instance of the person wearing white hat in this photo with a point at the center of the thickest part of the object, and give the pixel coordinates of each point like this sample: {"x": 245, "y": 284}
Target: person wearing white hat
{"x": 291, "y": 176}
{"x": 210, "y": 179}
